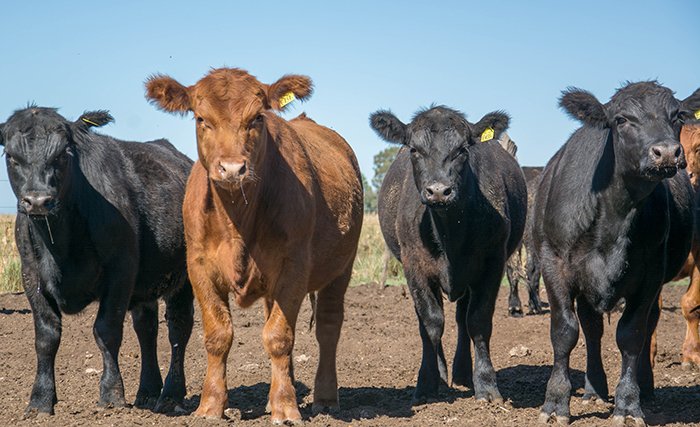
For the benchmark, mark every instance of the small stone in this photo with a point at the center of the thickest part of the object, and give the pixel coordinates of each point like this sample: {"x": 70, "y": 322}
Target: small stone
{"x": 92, "y": 371}
{"x": 519, "y": 351}
{"x": 302, "y": 358}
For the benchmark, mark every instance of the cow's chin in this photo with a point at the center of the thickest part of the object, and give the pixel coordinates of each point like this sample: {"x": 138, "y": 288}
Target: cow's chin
{"x": 229, "y": 184}
{"x": 657, "y": 173}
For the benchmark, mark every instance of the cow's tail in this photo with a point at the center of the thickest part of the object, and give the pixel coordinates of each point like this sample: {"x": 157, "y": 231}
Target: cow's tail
{"x": 312, "y": 300}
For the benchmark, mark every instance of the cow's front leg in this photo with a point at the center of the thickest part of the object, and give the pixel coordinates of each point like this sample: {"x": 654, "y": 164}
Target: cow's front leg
{"x": 278, "y": 340}
{"x": 480, "y": 325}
{"x": 690, "y": 305}
{"x": 631, "y": 336}
{"x": 47, "y": 330}
{"x": 218, "y": 336}
{"x": 427, "y": 301}
{"x": 108, "y": 331}
{"x": 563, "y": 333}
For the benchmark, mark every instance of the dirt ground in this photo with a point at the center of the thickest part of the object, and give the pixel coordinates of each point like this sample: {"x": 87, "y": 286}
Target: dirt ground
{"x": 378, "y": 362}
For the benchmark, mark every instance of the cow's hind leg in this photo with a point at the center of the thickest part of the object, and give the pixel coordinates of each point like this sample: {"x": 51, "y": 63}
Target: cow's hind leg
{"x": 535, "y": 304}
{"x": 462, "y": 364}
{"x": 690, "y": 305}
{"x": 427, "y": 300}
{"x": 482, "y": 303}
{"x": 179, "y": 313}
{"x": 145, "y": 318}
{"x": 515, "y": 306}
{"x": 592, "y": 325}
{"x": 329, "y": 320}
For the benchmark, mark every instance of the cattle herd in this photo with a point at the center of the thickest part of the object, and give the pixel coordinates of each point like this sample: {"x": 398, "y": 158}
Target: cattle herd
{"x": 272, "y": 210}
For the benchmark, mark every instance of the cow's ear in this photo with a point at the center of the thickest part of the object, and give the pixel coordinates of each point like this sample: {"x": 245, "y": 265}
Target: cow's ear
{"x": 491, "y": 126}
{"x": 388, "y": 127}
{"x": 691, "y": 105}
{"x": 285, "y": 90}
{"x": 167, "y": 94}
{"x": 97, "y": 119}
{"x": 583, "y": 106}
{"x": 2, "y": 137}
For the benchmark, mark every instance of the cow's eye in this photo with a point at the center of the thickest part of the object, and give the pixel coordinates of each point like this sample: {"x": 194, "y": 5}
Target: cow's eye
{"x": 413, "y": 150}
{"x": 619, "y": 120}
{"x": 256, "y": 122}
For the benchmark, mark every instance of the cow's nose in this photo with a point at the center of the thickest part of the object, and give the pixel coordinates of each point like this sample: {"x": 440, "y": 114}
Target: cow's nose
{"x": 438, "y": 193}
{"x": 667, "y": 153}
{"x": 232, "y": 170}
{"x": 36, "y": 204}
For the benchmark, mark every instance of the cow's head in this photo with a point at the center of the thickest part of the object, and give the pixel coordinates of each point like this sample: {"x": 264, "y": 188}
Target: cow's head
{"x": 645, "y": 120}
{"x": 231, "y": 109}
{"x": 690, "y": 140}
{"x": 438, "y": 139}
{"x": 39, "y": 152}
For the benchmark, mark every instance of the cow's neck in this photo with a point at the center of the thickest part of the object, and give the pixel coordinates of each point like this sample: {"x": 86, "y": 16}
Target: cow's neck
{"x": 450, "y": 225}
{"x": 58, "y": 230}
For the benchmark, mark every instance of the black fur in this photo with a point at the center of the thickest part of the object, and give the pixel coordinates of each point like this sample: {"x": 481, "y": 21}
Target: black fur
{"x": 612, "y": 220}
{"x": 456, "y": 244}
{"x": 100, "y": 220}
{"x": 530, "y": 272}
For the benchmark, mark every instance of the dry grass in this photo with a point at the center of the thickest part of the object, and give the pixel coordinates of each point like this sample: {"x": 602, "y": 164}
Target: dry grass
{"x": 368, "y": 267}
{"x": 369, "y": 263}
{"x": 9, "y": 258}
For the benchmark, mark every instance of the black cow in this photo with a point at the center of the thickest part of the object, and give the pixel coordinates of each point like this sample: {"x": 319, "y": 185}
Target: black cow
{"x": 522, "y": 265}
{"x": 100, "y": 220}
{"x": 613, "y": 219}
{"x": 452, "y": 210}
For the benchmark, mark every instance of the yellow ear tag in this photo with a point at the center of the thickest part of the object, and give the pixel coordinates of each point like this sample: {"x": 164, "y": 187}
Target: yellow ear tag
{"x": 487, "y": 134}
{"x": 88, "y": 121}
{"x": 697, "y": 115}
{"x": 286, "y": 99}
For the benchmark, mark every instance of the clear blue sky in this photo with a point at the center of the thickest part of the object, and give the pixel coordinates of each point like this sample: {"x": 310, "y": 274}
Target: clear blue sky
{"x": 361, "y": 55}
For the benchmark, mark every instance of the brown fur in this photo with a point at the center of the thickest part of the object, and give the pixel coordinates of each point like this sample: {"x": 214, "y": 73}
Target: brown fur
{"x": 690, "y": 302}
{"x": 286, "y": 224}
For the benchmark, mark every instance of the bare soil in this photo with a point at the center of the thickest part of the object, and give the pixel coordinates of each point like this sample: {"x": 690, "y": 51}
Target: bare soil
{"x": 378, "y": 363}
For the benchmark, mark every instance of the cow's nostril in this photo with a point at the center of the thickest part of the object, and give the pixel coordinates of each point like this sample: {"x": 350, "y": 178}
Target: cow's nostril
{"x": 656, "y": 151}
{"x": 678, "y": 152}
{"x": 241, "y": 171}
{"x": 429, "y": 191}
{"x": 447, "y": 191}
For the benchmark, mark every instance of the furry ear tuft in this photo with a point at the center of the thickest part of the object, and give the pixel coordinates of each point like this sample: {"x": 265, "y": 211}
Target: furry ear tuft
{"x": 584, "y": 107}
{"x": 278, "y": 93}
{"x": 692, "y": 105}
{"x": 496, "y": 120}
{"x": 97, "y": 118}
{"x": 388, "y": 127}
{"x": 167, "y": 94}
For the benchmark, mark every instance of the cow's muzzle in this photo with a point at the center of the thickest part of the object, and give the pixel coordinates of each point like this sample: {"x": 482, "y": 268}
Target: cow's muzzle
{"x": 665, "y": 158}
{"x": 37, "y": 204}
{"x": 438, "y": 195}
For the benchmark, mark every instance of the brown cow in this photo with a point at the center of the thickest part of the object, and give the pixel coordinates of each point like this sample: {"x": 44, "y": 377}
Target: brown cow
{"x": 272, "y": 210}
{"x": 690, "y": 302}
